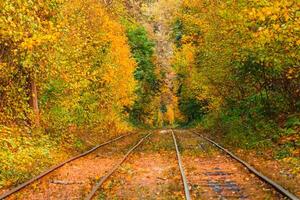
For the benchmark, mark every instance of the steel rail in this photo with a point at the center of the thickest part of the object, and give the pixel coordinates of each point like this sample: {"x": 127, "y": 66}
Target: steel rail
{"x": 183, "y": 177}
{"x": 275, "y": 185}
{"x": 23, "y": 185}
{"x": 104, "y": 178}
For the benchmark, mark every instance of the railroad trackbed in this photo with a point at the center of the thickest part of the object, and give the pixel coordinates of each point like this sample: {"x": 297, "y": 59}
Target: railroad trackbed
{"x": 166, "y": 164}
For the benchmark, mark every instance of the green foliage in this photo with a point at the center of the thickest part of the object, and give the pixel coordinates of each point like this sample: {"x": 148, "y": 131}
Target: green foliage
{"x": 177, "y": 32}
{"x": 285, "y": 151}
{"x": 293, "y": 121}
{"x": 193, "y": 109}
{"x": 102, "y": 196}
{"x": 142, "y": 50}
{"x": 242, "y": 131}
{"x": 148, "y": 85}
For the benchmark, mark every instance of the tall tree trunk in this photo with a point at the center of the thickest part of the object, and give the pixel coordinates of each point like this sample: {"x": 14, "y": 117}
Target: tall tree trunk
{"x": 34, "y": 102}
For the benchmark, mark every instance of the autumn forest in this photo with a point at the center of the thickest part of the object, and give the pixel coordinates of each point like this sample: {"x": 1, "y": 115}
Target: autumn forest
{"x": 76, "y": 73}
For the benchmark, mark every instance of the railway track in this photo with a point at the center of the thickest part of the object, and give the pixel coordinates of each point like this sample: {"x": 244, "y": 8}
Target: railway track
{"x": 183, "y": 176}
{"x": 104, "y": 178}
{"x": 216, "y": 178}
{"x": 251, "y": 169}
{"x": 152, "y": 172}
{"x": 231, "y": 186}
{"x": 52, "y": 169}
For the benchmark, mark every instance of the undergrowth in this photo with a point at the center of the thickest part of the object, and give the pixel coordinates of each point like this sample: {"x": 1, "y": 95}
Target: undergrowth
{"x": 281, "y": 135}
{"x": 25, "y": 153}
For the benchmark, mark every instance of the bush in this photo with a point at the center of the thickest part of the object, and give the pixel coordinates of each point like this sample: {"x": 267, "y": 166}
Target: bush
{"x": 24, "y": 153}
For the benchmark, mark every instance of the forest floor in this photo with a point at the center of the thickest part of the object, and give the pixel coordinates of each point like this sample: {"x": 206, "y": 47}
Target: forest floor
{"x": 151, "y": 172}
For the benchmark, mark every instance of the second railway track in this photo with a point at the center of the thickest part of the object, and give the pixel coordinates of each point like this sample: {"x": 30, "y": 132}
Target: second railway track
{"x": 23, "y": 192}
{"x": 261, "y": 176}
{"x": 174, "y": 164}
{"x": 151, "y": 172}
{"x": 216, "y": 176}
{"x": 112, "y": 170}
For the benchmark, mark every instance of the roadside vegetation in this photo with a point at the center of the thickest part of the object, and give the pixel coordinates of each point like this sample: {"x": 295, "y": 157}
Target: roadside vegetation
{"x": 67, "y": 77}
{"x": 75, "y": 73}
{"x": 237, "y": 65}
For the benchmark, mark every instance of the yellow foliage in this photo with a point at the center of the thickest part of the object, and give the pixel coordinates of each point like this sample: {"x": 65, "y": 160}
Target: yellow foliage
{"x": 170, "y": 115}
{"x": 221, "y": 33}
{"x": 75, "y": 47}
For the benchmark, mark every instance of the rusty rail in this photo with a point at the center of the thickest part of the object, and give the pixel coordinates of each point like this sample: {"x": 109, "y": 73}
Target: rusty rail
{"x": 275, "y": 185}
{"x": 25, "y": 184}
{"x": 183, "y": 177}
{"x": 104, "y": 178}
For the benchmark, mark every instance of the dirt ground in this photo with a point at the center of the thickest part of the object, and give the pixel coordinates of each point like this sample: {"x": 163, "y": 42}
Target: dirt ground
{"x": 74, "y": 180}
{"x": 214, "y": 175}
{"x": 283, "y": 171}
{"x": 151, "y": 172}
